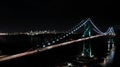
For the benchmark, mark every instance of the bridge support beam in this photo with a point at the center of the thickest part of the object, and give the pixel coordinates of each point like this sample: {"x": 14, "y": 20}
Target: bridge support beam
{"x": 110, "y": 43}
{"x": 87, "y": 51}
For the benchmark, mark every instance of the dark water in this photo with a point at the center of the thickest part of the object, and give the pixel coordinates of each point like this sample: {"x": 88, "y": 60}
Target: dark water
{"x": 51, "y": 58}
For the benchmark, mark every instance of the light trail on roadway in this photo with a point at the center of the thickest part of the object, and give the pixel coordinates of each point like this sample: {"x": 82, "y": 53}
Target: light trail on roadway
{"x": 38, "y": 50}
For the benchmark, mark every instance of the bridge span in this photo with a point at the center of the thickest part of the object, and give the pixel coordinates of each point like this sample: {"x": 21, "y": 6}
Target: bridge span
{"x": 5, "y": 58}
{"x": 86, "y": 27}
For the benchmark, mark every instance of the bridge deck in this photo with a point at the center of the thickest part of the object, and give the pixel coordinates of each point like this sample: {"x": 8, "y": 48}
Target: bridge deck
{"x": 5, "y": 58}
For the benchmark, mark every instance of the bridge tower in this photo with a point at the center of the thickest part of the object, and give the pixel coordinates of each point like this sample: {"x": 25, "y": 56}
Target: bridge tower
{"x": 110, "y": 43}
{"x": 87, "y": 51}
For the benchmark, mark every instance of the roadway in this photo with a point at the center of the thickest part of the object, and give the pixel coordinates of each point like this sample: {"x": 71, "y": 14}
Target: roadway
{"x": 38, "y": 50}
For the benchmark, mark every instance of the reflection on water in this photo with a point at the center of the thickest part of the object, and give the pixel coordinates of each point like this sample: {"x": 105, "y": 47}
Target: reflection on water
{"x": 107, "y": 60}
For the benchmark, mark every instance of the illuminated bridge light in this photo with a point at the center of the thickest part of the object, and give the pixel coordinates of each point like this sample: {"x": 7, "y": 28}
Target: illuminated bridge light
{"x": 72, "y": 32}
{"x": 53, "y": 41}
{"x": 83, "y": 35}
{"x": 83, "y": 54}
{"x": 49, "y": 43}
{"x": 3, "y": 33}
{"x": 43, "y": 45}
{"x": 57, "y": 39}
{"x": 66, "y": 34}
{"x": 113, "y": 45}
{"x": 105, "y": 34}
{"x": 61, "y": 38}
{"x": 69, "y": 64}
{"x": 76, "y": 29}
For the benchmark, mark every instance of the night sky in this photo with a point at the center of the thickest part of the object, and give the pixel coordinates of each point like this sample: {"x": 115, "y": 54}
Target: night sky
{"x": 26, "y": 15}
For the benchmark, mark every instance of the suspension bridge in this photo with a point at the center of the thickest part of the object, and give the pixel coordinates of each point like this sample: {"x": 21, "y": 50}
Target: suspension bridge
{"x": 86, "y": 27}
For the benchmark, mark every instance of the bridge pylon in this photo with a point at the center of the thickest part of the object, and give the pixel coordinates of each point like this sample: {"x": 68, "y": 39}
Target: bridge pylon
{"x": 86, "y": 50}
{"x": 110, "y": 43}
